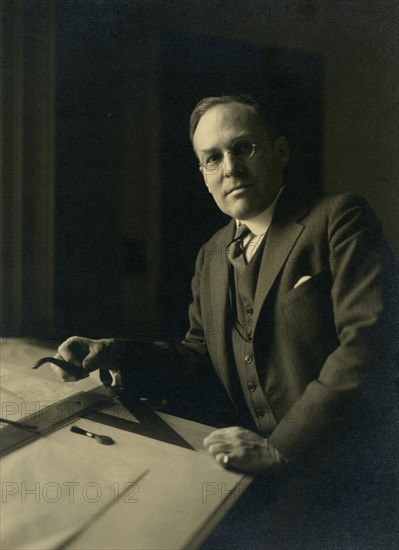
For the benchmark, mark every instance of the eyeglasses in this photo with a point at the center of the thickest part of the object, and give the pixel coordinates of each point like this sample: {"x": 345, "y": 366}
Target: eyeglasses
{"x": 242, "y": 149}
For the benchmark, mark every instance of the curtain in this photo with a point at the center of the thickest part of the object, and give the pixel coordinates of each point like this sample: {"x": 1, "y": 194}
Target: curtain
{"x": 28, "y": 167}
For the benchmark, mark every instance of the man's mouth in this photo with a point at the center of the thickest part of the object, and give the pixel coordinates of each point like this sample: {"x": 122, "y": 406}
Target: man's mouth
{"x": 237, "y": 188}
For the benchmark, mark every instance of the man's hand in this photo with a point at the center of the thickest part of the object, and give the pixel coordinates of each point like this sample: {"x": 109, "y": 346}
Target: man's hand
{"x": 86, "y": 354}
{"x": 245, "y": 450}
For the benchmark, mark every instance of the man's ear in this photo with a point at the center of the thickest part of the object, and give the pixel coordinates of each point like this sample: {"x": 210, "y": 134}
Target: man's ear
{"x": 281, "y": 148}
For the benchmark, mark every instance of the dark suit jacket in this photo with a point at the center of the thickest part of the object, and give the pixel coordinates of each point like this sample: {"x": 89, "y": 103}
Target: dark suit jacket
{"x": 324, "y": 350}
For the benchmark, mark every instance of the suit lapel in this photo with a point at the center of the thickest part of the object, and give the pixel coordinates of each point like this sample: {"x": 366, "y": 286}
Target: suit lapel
{"x": 220, "y": 304}
{"x": 280, "y": 241}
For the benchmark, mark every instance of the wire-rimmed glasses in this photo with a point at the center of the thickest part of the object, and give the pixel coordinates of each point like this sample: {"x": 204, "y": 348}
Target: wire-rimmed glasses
{"x": 242, "y": 149}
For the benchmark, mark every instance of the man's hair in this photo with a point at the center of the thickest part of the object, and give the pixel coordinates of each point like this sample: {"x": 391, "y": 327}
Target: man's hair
{"x": 208, "y": 102}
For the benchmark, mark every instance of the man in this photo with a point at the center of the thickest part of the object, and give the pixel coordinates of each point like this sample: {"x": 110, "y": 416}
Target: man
{"x": 295, "y": 308}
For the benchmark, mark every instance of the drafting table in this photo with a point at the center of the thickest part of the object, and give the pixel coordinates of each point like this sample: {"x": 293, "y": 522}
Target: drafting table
{"x": 64, "y": 490}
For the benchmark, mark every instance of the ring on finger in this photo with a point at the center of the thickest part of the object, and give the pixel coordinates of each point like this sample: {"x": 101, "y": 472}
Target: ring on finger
{"x": 226, "y": 459}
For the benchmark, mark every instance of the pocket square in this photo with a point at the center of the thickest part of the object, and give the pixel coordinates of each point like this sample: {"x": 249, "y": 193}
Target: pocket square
{"x": 302, "y": 280}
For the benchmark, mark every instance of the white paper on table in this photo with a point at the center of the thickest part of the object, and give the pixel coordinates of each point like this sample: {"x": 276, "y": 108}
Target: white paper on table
{"x": 36, "y": 386}
{"x": 182, "y": 492}
{"x": 24, "y": 391}
{"x": 52, "y": 491}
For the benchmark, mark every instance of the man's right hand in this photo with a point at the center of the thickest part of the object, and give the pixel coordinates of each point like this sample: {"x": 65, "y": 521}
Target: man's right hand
{"x": 88, "y": 355}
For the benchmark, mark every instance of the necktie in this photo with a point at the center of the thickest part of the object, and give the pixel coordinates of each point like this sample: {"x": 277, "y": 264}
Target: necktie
{"x": 236, "y": 251}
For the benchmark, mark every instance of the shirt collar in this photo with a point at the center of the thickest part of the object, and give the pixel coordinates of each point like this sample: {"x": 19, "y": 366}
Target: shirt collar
{"x": 260, "y": 223}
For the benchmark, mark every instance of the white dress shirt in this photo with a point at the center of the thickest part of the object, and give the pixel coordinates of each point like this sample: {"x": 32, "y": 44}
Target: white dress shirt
{"x": 259, "y": 226}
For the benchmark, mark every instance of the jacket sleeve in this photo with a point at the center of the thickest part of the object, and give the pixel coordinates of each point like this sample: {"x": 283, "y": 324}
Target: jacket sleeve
{"x": 172, "y": 370}
{"x": 365, "y": 298}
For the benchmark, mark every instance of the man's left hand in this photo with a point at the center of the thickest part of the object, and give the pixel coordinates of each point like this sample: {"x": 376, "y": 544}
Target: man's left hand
{"x": 244, "y": 450}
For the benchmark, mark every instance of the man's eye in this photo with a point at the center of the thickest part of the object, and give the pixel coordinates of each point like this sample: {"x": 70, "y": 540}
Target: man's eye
{"x": 242, "y": 148}
{"x": 213, "y": 159}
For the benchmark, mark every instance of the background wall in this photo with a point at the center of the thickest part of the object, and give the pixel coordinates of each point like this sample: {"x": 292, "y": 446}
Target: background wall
{"x": 110, "y": 131}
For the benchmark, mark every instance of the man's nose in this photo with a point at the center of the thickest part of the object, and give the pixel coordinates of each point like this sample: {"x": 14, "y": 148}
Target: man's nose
{"x": 231, "y": 165}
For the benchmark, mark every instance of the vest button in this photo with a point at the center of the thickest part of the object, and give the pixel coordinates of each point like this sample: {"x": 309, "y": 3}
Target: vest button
{"x": 248, "y": 359}
{"x": 249, "y": 311}
{"x": 251, "y": 386}
{"x": 259, "y": 413}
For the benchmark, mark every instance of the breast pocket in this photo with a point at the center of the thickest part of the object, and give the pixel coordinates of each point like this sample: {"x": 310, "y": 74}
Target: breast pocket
{"x": 318, "y": 286}
{"x": 306, "y": 313}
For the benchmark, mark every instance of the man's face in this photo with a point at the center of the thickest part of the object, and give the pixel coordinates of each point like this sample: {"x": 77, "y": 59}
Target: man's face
{"x": 242, "y": 188}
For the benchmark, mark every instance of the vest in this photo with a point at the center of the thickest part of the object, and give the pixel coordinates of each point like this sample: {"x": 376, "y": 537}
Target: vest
{"x": 242, "y": 296}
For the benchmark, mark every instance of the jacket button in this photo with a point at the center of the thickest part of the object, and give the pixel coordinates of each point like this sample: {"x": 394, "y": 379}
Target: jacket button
{"x": 249, "y": 311}
{"x": 259, "y": 413}
{"x": 251, "y": 386}
{"x": 248, "y": 359}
